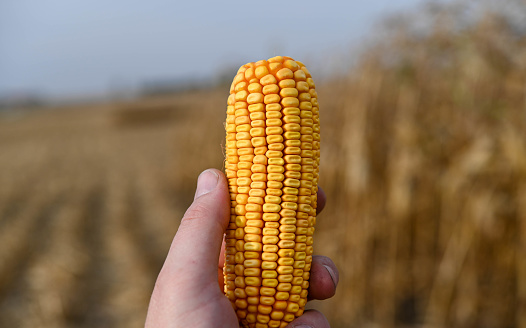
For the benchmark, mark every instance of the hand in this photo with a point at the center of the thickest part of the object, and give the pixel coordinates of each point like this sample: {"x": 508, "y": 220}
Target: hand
{"x": 187, "y": 293}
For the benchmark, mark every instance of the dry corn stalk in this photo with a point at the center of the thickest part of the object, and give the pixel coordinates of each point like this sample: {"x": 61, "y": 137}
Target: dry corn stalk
{"x": 272, "y": 158}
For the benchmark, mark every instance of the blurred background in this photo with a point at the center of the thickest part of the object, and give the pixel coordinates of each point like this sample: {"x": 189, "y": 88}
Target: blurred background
{"x": 110, "y": 110}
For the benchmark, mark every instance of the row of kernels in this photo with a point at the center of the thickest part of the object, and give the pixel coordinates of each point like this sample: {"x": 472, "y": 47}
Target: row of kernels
{"x": 245, "y": 151}
{"x": 292, "y": 173}
{"x": 231, "y": 172}
{"x": 307, "y": 204}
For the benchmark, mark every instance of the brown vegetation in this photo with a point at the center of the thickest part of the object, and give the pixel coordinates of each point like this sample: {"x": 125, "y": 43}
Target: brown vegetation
{"x": 423, "y": 161}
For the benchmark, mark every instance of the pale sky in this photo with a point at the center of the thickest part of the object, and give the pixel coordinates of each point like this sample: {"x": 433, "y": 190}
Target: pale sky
{"x": 71, "y": 47}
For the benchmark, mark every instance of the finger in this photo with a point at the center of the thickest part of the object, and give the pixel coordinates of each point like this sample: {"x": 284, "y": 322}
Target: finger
{"x": 323, "y": 278}
{"x": 197, "y": 244}
{"x": 310, "y": 319}
{"x": 322, "y": 199}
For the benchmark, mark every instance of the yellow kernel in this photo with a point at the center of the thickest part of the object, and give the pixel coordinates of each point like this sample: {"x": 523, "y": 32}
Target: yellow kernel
{"x": 292, "y": 159}
{"x": 271, "y": 99}
{"x": 268, "y": 265}
{"x": 292, "y": 135}
{"x": 291, "y": 307}
{"x": 281, "y": 296}
{"x": 273, "y": 122}
{"x": 267, "y": 300}
{"x": 288, "y": 83}
{"x": 269, "y": 256}
{"x": 252, "y": 263}
{"x": 274, "y": 139}
{"x": 293, "y": 127}
{"x": 274, "y": 184}
{"x": 284, "y": 280}
{"x": 270, "y": 248}
{"x": 283, "y": 286}
{"x": 271, "y": 89}
{"x": 302, "y": 86}
{"x": 251, "y": 255}
{"x": 254, "y": 88}
{"x": 292, "y": 118}
{"x": 305, "y": 105}
{"x": 255, "y": 98}
{"x": 297, "y": 281}
{"x": 249, "y": 74}
{"x": 273, "y": 114}
{"x": 301, "y": 231}
{"x": 300, "y": 75}
{"x": 272, "y": 217}
{"x": 273, "y": 107}
{"x": 252, "y": 272}
{"x": 300, "y": 247}
{"x": 287, "y": 228}
{"x": 241, "y": 303}
{"x": 240, "y": 282}
{"x": 275, "y": 177}
{"x": 240, "y": 210}
{"x": 255, "y": 108}
{"x": 277, "y": 315}
{"x": 270, "y": 282}
{"x": 270, "y": 240}
{"x": 267, "y": 291}
{"x": 283, "y": 244}
{"x": 253, "y": 246}
{"x": 276, "y": 161}
{"x": 284, "y": 73}
{"x": 299, "y": 264}
{"x": 252, "y": 238}
{"x": 252, "y": 290}
{"x": 260, "y": 159}
{"x": 239, "y": 269}
{"x": 241, "y": 95}
{"x": 252, "y": 230}
{"x": 274, "y": 192}
{"x": 291, "y": 111}
{"x": 253, "y": 281}
{"x": 304, "y": 96}
{"x": 288, "y": 92}
{"x": 241, "y": 104}
{"x": 287, "y": 236}
{"x": 276, "y": 59}
{"x": 268, "y": 79}
{"x": 257, "y": 192}
{"x": 286, "y": 252}
{"x": 291, "y": 64}
{"x": 262, "y": 71}
{"x": 273, "y": 130}
{"x": 289, "y": 198}
{"x": 287, "y": 213}
{"x": 259, "y": 177}
{"x": 272, "y": 199}
{"x": 280, "y": 305}
{"x": 269, "y": 274}
{"x": 290, "y": 102}
{"x": 271, "y": 208}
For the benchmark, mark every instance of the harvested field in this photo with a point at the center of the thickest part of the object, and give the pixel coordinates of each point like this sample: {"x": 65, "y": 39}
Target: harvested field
{"x": 423, "y": 161}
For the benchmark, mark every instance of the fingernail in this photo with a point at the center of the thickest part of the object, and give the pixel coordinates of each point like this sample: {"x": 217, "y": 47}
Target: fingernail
{"x": 332, "y": 274}
{"x": 206, "y": 182}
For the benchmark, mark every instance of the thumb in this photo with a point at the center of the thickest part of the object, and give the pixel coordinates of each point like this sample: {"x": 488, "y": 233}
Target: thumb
{"x": 197, "y": 244}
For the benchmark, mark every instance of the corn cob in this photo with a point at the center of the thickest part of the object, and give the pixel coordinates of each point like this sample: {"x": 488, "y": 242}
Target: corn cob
{"x": 272, "y": 159}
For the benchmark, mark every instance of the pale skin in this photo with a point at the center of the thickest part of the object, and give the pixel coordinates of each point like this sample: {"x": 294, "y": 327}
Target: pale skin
{"x": 187, "y": 292}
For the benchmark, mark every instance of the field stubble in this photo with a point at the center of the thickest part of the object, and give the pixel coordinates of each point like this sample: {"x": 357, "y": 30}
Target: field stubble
{"x": 423, "y": 161}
